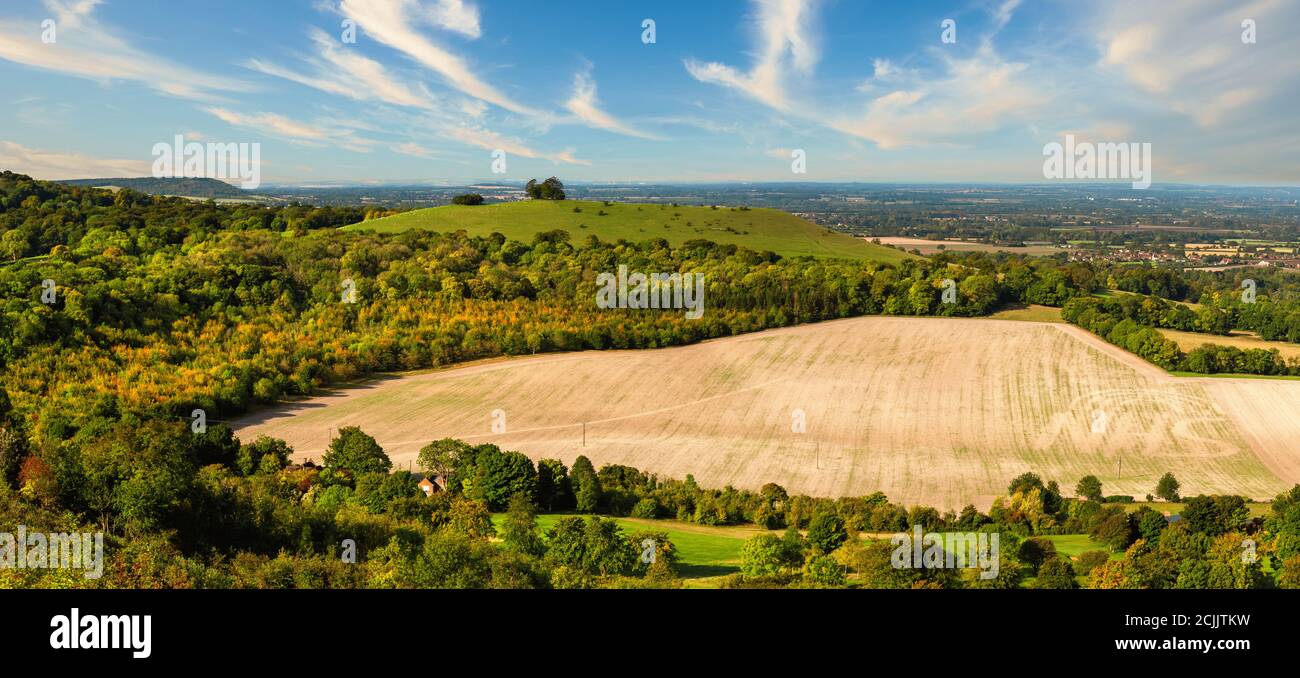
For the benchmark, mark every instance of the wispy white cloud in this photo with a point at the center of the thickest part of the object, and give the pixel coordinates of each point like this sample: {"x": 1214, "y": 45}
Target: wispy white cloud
{"x": 965, "y": 98}
{"x": 1002, "y": 14}
{"x": 271, "y": 124}
{"x": 457, "y": 16}
{"x": 568, "y": 156}
{"x": 87, "y": 48}
{"x": 974, "y": 96}
{"x": 1190, "y": 57}
{"x": 413, "y": 149}
{"x": 586, "y": 107}
{"x": 296, "y": 131}
{"x": 785, "y": 42}
{"x": 392, "y": 23}
{"x": 348, "y": 73}
{"x": 487, "y": 139}
{"x": 45, "y": 164}
{"x": 69, "y": 13}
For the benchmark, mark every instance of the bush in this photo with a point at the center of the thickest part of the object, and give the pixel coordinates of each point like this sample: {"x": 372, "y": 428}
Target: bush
{"x": 1091, "y": 560}
{"x": 467, "y": 199}
{"x": 825, "y": 571}
{"x": 826, "y": 531}
{"x": 646, "y": 508}
{"x": 1036, "y": 551}
{"x": 1056, "y": 573}
{"x": 767, "y": 555}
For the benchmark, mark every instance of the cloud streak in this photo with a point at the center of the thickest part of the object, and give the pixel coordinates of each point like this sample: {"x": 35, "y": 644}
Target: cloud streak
{"x": 784, "y": 42}
{"x": 54, "y": 165}
{"x": 86, "y": 48}
{"x": 391, "y": 23}
{"x": 586, "y": 107}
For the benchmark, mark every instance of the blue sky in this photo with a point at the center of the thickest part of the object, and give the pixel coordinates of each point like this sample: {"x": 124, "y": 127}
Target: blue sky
{"x": 868, "y": 90}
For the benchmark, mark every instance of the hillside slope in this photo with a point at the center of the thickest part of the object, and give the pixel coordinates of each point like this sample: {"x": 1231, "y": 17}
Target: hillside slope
{"x": 933, "y": 411}
{"x": 182, "y": 187}
{"x": 759, "y": 229}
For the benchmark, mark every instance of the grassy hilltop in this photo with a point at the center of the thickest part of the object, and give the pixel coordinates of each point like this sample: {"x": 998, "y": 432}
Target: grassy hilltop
{"x": 758, "y": 229}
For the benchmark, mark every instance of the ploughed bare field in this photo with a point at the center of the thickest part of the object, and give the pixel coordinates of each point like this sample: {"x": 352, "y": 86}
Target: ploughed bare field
{"x": 933, "y": 411}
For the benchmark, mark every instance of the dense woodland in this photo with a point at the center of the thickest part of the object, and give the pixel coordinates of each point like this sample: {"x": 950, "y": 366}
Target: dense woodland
{"x": 122, "y": 313}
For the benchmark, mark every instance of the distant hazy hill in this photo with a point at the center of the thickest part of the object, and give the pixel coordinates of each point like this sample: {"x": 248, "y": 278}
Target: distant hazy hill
{"x": 758, "y": 229}
{"x": 190, "y": 188}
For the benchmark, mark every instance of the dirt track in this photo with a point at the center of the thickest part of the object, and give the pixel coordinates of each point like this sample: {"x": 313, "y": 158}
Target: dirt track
{"x": 931, "y": 411}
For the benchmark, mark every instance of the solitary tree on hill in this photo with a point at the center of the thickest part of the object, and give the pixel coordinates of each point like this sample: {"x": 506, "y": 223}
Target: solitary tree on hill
{"x": 1089, "y": 488}
{"x": 551, "y": 189}
{"x": 1167, "y": 488}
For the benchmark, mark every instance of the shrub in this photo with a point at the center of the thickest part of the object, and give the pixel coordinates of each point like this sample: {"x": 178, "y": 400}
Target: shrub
{"x": 646, "y": 508}
{"x": 1091, "y": 560}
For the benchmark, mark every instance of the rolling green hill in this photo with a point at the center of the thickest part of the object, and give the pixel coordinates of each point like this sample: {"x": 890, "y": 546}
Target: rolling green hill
{"x": 182, "y": 187}
{"x": 758, "y": 229}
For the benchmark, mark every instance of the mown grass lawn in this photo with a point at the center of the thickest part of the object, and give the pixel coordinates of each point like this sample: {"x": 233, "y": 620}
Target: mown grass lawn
{"x": 704, "y": 553}
{"x": 1071, "y": 545}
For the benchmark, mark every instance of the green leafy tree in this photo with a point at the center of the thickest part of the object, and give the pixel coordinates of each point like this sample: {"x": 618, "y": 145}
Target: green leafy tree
{"x": 551, "y": 189}
{"x": 1167, "y": 487}
{"x": 655, "y": 553}
{"x": 595, "y": 545}
{"x": 13, "y": 245}
{"x": 1089, "y": 488}
{"x": 826, "y": 532}
{"x": 586, "y": 485}
{"x": 266, "y": 454}
{"x": 1150, "y": 523}
{"x": 874, "y": 564}
{"x": 439, "y": 457}
{"x": 607, "y": 550}
{"x": 471, "y": 518}
{"x": 352, "y": 450}
{"x": 1284, "y": 522}
{"x": 553, "y": 490}
{"x": 647, "y": 509}
{"x": 519, "y": 529}
{"x": 1025, "y": 482}
{"x": 1091, "y": 560}
{"x": 1056, "y": 573}
{"x": 766, "y": 555}
{"x": 1215, "y": 515}
{"x": 137, "y": 475}
{"x": 1289, "y": 577}
{"x": 217, "y": 445}
{"x": 824, "y": 570}
{"x": 1114, "y": 528}
{"x": 1035, "y": 551}
{"x": 500, "y": 475}
{"x": 13, "y": 442}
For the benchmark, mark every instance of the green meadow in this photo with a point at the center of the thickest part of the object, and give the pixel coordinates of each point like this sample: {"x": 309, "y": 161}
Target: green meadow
{"x": 1071, "y": 545}
{"x": 704, "y": 552}
{"x": 757, "y": 229}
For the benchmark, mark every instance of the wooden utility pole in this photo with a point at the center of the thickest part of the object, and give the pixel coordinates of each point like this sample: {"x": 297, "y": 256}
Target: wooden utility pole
{"x": 584, "y": 434}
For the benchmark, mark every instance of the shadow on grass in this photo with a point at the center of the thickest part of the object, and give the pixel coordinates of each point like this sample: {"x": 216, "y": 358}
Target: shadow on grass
{"x": 701, "y": 571}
